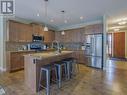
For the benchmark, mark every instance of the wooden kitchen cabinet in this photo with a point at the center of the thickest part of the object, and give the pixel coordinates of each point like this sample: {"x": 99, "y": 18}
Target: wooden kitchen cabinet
{"x": 76, "y": 37}
{"x": 80, "y": 56}
{"x": 37, "y": 29}
{"x": 89, "y": 29}
{"x": 49, "y": 36}
{"x": 13, "y": 34}
{"x": 59, "y": 37}
{"x": 98, "y": 28}
{"x": 19, "y": 32}
{"x": 15, "y": 60}
{"x": 71, "y": 36}
{"x": 94, "y": 29}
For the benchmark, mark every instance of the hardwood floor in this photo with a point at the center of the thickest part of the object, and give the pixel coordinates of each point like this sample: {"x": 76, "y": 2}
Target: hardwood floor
{"x": 89, "y": 81}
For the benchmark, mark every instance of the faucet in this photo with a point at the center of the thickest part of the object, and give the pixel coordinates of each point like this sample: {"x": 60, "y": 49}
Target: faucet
{"x": 56, "y": 44}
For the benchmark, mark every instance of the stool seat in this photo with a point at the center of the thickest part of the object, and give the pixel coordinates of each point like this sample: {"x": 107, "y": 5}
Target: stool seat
{"x": 58, "y": 63}
{"x": 46, "y": 67}
{"x": 67, "y": 59}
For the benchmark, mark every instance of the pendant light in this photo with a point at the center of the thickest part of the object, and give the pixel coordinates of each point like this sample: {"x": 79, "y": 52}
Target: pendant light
{"x": 46, "y": 28}
{"x": 63, "y": 32}
{"x": 65, "y": 21}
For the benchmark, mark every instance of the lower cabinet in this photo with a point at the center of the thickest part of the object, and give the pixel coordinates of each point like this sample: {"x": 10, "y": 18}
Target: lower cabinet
{"x": 80, "y": 56}
{"x": 15, "y": 60}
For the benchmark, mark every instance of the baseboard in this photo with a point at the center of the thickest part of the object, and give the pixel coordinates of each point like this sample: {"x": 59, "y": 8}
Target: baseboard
{"x": 2, "y": 69}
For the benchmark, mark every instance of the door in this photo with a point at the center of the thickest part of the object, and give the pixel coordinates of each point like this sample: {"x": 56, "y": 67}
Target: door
{"x": 119, "y": 45}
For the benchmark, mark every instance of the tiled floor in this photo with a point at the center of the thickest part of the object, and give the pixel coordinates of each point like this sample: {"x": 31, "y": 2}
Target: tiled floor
{"x": 89, "y": 81}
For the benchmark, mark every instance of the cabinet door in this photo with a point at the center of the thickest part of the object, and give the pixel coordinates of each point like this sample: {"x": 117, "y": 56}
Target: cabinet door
{"x": 15, "y": 61}
{"x": 76, "y": 55}
{"x": 49, "y": 36}
{"x": 19, "y": 32}
{"x": 76, "y": 35}
{"x": 89, "y": 29}
{"x": 59, "y": 37}
{"x": 66, "y": 37}
{"x": 28, "y": 33}
{"x": 82, "y": 35}
{"x": 36, "y": 29}
{"x": 52, "y": 36}
{"x": 13, "y": 36}
{"x": 22, "y": 60}
{"x": 98, "y": 28}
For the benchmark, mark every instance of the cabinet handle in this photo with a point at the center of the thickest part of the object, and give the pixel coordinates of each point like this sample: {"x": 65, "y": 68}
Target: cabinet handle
{"x": 34, "y": 61}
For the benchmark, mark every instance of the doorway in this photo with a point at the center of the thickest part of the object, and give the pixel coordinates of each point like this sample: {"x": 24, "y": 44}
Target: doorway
{"x": 116, "y": 45}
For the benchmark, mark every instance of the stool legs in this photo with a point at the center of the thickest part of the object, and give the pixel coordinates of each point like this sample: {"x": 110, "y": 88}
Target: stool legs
{"x": 75, "y": 67}
{"x": 68, "y": 70}
{"x": 59, "y": 73}
{"x": 59, "y": 76}
{"x": 40, "y": 80}
{"x": 48, "y": 83}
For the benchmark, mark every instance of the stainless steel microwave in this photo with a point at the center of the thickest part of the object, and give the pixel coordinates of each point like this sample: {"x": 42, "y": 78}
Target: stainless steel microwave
{"x": 37, "y": 38}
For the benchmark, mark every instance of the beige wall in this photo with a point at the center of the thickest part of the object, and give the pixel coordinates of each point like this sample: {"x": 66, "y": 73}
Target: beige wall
{"x": 2, "y": 43}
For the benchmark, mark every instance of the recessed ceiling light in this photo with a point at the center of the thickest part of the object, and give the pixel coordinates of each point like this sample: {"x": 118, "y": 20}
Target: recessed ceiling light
{"x": 38, "y": 14}
{"x": 81, "y": 17}
{"x": 122, "y": 23}
{"x": 65, "y": 21}
{"x": 117, "y": 29}
{"x": 51, "y": 20}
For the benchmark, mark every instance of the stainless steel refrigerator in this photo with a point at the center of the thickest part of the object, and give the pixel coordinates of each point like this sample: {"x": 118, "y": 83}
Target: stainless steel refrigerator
{"x": 93, "y": 50}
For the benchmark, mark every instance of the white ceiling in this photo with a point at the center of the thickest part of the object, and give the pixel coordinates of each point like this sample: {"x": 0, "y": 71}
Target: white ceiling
{"x": 91, "y": 10}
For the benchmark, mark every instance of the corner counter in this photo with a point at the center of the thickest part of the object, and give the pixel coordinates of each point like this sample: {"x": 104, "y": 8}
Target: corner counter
{"x": 34, "y": 62}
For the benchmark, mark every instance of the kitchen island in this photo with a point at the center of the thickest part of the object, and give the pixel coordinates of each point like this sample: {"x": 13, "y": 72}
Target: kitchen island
{"x": 33, "y": 63}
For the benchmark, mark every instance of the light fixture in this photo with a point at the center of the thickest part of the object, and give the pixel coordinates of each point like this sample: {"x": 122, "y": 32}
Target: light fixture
{"x": 81, "y": 17}
{"x": 63, "y": 32}
{"x": 122, "y": 23}
{"x": 38, "y": 14}
{"x": 51, "y": 20}
{"x": 117, "y": 29}
{"x": 46, "y": 28}
{"x": 65, "y": 21}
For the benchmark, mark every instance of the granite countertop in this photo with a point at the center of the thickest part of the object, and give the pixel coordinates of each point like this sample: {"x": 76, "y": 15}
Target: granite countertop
{"x": 48, "y": 54}
{"x": 23, "y": 51}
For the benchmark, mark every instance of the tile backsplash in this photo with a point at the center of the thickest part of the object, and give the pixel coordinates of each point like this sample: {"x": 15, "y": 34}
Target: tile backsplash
{"x": 72, "y": 46}
{"x": 15, "y": 46}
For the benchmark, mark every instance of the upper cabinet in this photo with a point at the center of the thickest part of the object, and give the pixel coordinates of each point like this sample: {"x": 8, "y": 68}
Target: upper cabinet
{"x": 20, "y": 32}
{"x": 73, "y": 36}
{"x": 94, "y": 29}
{"x": 49, "y": 36}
